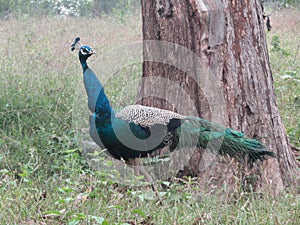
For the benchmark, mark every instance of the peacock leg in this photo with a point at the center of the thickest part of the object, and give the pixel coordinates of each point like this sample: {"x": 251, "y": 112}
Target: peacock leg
{"x": 139, "y": 170}
{"x": 136, "y": 167}
{"x": 146, "y": 175}
{"x": 132, "y": 164}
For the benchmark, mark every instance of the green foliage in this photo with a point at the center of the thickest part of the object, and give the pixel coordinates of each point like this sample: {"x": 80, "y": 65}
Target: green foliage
{"x": 109, "y": 6}
{"x": 290, "y": 3}
{"x": 276, "y": 46}
{"x": 284, "y": 55}
{"x": 66, "y": 7}
{"x": 282, "y": 4}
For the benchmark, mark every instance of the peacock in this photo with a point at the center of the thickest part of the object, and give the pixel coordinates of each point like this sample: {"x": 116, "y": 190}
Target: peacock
{"x": 139, "y": 131}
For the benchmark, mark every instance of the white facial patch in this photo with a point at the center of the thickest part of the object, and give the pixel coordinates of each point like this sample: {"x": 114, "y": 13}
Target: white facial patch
{"x": 83, "y": 52}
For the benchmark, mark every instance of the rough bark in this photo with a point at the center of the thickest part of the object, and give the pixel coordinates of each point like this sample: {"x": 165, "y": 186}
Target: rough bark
{"x": 228, "y": 38}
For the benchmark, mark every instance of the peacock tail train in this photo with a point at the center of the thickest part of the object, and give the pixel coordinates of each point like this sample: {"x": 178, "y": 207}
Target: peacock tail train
{"x": 202, "y": 133}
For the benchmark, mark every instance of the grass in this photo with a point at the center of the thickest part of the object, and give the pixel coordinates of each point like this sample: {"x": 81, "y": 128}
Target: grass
{"x": 43, "y": 177}
{"x": 284, "y": 46}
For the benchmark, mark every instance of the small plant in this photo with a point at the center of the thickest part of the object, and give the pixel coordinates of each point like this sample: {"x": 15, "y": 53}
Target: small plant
{"x": 276, "y": 46}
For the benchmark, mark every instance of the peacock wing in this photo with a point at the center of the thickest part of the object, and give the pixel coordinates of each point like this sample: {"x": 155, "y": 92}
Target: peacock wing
{"x": 149, "y": 116}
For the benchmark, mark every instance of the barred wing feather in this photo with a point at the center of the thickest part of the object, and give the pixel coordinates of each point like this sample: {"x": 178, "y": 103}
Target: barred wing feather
{"x": 148, "y": 116}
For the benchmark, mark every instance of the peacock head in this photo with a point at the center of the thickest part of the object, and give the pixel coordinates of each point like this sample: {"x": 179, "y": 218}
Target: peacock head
{"x": 84, "y": 51}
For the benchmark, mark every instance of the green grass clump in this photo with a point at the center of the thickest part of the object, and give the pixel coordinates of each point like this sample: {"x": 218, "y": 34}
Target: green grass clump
{"x": 87, "y": 198}
{"x": 284, "y": 49}
{"x": 43, "y": 177}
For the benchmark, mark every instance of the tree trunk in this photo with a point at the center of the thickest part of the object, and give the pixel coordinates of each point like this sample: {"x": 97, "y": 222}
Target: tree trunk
{"x": 209, "y": 58}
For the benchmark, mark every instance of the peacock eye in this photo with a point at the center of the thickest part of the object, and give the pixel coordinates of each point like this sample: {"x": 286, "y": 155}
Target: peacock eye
{"x": 84, "y": 51}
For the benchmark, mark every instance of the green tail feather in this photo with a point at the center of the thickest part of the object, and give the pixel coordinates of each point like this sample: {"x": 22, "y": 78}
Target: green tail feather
{"x": 221, "y": 140}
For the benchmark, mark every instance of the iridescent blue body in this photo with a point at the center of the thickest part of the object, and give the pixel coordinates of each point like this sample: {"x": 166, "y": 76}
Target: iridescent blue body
{"x": 104, "y": 125}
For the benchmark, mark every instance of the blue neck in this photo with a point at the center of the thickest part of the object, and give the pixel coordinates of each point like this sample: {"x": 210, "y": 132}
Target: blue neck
{"x": 97, "y": 100}
{"x": 103, "y": 109}
{"x": 83, "y": 64}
